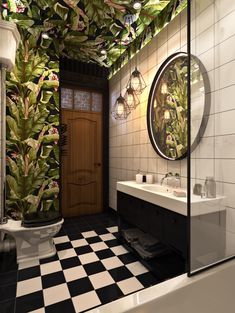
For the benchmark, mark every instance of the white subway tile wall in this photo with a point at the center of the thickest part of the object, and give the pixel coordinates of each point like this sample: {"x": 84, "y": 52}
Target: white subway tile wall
{"x": 214, "y": 44}
{"x": 130, "y": 147}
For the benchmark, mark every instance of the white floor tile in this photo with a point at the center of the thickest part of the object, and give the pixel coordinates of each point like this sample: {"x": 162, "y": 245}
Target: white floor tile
{"x": 79, "y": 243}
{"x": 88, "y": 258}
{"x": 89, "y": 234}
{"x": 28, "y": 286}
{"x": 98, "y": 246}
{"x": 112, "y": 262}
{"x": 74, "y": 273}
{"x": 118, "y": 250}
{"x": 28, "y": 264}
{"x": 56, "y": 294}
{"x": 113, "y": 229}
{"x": 61, "y": 239}
{"x": 129, "y": 285}
{"x": 86, "y": 301}
{"x": 65, "y": 254}
{"x": 137, "y": 268}
{"x": 50, "y": 267}
{"x": 101, "y": 279}
{"x": 107, "y": 237}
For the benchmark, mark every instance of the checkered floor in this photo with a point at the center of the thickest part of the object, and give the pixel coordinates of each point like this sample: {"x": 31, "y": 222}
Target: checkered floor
{"x": 90, "y": 268}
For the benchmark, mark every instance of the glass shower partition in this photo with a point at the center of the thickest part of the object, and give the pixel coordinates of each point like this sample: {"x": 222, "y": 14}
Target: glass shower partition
{"x": 211, "y": 165}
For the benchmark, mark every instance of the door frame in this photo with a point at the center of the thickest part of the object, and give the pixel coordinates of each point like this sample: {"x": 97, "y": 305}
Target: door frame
{"x": 101, "y": 85}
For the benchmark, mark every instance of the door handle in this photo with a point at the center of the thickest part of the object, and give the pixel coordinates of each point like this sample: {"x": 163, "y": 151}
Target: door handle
{"x": 97, "y": 164}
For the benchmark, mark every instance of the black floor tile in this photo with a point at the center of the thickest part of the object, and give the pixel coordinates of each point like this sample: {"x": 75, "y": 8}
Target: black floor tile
{"x": 93, "y": 268}
{"x": 83, "y": 250}
{"x": 104, "y": 254}
{"x": 70, "y": 262}
{"x": 112, "y": 243}
{"x": 101, "y": 230}
{"x": 127, "y": 258}
{"x": 63, "y": 307}
{"x": 80, "y": 286}
{"x": 50, "y": 259}
{"x": 75, "y": 236}
{"x": 120, "y": 273}
{"x": 93, "y": 239}
{"x": 29, "y": 302}
{"x": 7, "y": 306}
{"x": 28, "y": 273}
{"x": 53, "y": 279}
{"x": 63, "y": 246}
{"x": 147, "y": 280}
{"x": 109, "y": 293}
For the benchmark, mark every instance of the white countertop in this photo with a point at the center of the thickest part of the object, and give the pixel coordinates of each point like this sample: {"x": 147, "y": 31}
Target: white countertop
{"x": 168, "y": 200}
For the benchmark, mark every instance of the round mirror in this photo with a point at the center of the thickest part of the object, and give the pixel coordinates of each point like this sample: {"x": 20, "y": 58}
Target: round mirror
{"x": 167, "y": 110}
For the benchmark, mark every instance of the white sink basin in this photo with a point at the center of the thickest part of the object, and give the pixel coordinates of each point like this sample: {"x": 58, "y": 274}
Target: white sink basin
{"x": 156, "y": 188}
{"x": 164, "y": 197}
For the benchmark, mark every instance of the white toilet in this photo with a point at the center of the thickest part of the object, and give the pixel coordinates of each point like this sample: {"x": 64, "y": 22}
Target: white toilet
{"x": 32, "y": 242}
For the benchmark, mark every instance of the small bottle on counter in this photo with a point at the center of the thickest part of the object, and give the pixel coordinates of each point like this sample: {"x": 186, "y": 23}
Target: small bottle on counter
{"x": 210, "y": 187}
{"x": 139, "y": 178}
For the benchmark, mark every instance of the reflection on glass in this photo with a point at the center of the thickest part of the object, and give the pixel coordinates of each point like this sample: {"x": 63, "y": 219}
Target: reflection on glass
{"x": 82, "y": 100}
{"x": 66, "y": 98}
{"x": 168, "y": 107}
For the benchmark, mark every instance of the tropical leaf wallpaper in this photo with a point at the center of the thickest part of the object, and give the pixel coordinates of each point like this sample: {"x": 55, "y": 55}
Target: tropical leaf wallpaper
{"x": 77, "y": 29}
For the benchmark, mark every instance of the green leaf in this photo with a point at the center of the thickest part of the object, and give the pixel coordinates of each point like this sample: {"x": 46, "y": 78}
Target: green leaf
{"x": 61, "y": 10}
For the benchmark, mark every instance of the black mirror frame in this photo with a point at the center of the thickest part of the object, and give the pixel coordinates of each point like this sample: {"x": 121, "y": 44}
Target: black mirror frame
{"x": 206, "y": 111}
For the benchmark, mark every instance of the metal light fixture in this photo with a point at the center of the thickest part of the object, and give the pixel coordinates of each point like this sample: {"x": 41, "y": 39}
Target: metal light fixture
{"x": 136, "y": 82}
{"x": 130, "y": 96}
{"x": 120, "y": 109}
{"x": 137, "y": 5}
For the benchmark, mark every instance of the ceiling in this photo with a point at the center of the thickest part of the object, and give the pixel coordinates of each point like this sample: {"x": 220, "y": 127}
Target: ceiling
{"x": 80, "y": 29}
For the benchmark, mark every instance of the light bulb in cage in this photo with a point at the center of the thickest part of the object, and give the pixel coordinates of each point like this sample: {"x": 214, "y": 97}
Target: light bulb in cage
{"x": 131, "y": 98}
{"x": 120, "y": 109}
{"x": 136, "y": 82}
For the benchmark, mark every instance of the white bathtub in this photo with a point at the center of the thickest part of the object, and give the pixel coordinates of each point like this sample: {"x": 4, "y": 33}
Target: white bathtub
{"x": 210, "y": 292}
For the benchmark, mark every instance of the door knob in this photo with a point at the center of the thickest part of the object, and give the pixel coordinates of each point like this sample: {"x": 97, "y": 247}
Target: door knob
{"x": 97, "y": 164}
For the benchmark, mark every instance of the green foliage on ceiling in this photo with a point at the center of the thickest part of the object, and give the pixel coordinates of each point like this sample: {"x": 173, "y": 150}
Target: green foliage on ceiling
{"x": 79, "y": 29}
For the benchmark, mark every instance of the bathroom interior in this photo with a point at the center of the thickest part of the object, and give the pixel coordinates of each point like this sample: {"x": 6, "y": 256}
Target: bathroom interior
{"x": 117, "y": 156}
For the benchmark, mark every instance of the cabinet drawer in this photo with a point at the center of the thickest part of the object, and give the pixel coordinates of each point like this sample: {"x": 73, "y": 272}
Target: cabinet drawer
{"x": 154, "y": 219}
{"x": 175, "y": 231}
{"x": 129, "y": 208}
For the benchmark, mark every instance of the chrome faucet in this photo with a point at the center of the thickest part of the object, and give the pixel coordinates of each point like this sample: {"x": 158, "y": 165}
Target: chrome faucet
{"x": 166, "y": 176}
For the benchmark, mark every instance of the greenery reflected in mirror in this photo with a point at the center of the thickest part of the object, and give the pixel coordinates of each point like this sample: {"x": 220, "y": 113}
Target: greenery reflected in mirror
{"x": 168, "y": 106}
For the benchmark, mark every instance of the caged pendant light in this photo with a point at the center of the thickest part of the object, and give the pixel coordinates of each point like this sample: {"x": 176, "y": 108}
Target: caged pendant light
{"x": 130, "y": 96}
{"x": 136, "y": 81}
{"x": 120, "y": 109}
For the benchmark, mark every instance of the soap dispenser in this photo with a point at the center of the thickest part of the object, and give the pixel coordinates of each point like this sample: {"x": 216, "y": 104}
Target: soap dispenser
{"x": 210, "y": 187}
{"x": 139, "y": 177}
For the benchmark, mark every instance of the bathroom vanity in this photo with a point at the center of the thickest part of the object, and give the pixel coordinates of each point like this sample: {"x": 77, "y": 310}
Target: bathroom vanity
{"x": 167, "y": 226}
{"x": 155, "y": 210}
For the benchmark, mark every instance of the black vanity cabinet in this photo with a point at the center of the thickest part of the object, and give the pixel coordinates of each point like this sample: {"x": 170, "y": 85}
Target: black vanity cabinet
{"x": 167, "y": 226}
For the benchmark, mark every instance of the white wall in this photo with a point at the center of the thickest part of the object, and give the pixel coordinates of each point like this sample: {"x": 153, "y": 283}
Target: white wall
{"x": 213, "y": 31}
{"x": 130, "y": 147}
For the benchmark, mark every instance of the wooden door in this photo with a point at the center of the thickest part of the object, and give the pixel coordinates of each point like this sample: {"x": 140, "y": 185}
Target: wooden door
{"x": 82, "y": 157}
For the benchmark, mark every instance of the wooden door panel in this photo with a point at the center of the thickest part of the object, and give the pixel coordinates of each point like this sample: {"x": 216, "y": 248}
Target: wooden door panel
{"x": 80, "y": 195}
{"x": 81, "y": 166}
